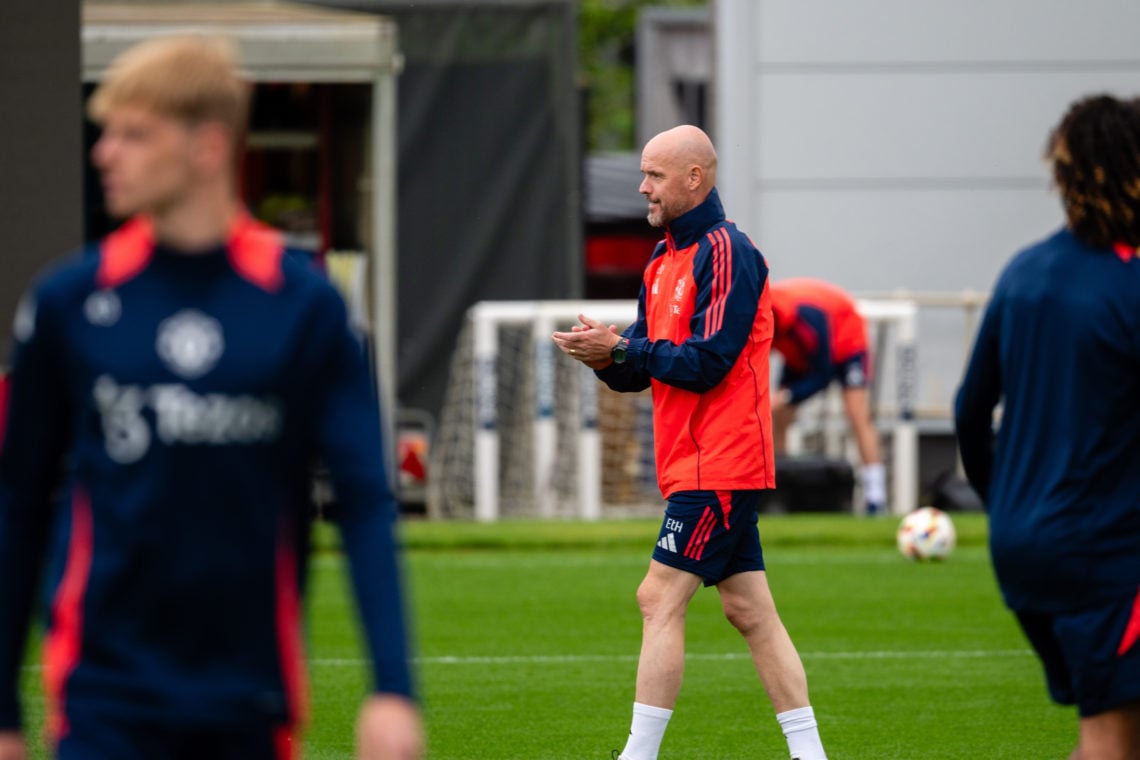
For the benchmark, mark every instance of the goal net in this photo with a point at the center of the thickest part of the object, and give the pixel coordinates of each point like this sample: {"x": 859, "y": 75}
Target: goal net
{"x": 526, "y": 431}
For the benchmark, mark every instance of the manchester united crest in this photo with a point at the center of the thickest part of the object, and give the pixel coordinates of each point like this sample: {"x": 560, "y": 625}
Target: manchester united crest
{"x": 190, "y": 343}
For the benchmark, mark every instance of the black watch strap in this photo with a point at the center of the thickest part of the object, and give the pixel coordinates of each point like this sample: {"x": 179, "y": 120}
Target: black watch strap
{"x": 620, "y": 350}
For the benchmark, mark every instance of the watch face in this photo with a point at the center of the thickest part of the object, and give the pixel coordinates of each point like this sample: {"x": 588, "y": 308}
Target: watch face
{"x": 618, "y": 351}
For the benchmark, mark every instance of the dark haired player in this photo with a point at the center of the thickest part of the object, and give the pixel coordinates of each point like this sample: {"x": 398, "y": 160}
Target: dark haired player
{"x": 1059, "y": 349}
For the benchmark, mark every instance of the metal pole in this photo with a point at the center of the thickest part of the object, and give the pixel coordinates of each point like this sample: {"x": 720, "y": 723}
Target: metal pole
{"x": 905, "y": 440}
{"x": 486, "y": 455}
{"x": 384, "y": 268}
{"x": 545, "y": 425}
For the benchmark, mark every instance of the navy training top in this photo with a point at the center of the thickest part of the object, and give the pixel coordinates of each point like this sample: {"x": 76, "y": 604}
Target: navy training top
{"x": 182, "y": 400}
{"x": 1059, "y": 347}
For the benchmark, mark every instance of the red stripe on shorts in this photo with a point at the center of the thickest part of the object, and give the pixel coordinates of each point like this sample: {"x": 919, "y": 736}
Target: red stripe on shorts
{"x": 1132, "y": 630}
{"x": 700, "y": 537}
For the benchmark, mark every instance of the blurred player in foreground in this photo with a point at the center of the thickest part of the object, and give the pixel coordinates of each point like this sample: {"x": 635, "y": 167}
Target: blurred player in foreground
{"x": 184, "y": 373}
{"x": 1059, "y": 349}
{"x": 701, "y": 341}
{"x": 823, "y": 338}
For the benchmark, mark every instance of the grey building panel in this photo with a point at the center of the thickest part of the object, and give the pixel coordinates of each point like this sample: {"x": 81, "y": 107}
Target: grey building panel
{"x": 905, "y": 101}
{"x": 674, "y": 69}
{"x": 972, "y": 127}
{"x": 611, "y": 193}
{"x": 970, "y": 32}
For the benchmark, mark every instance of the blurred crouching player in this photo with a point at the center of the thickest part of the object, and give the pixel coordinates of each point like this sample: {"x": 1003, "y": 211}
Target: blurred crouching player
{"x": 823, "y": 339}
{"x": 188, "y": 371}
{"x": 701, "y": 341}
{"x": 1059, "y": 349}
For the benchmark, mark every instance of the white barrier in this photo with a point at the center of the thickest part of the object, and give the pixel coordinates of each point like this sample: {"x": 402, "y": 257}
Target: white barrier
{"x": 547, "y": 316}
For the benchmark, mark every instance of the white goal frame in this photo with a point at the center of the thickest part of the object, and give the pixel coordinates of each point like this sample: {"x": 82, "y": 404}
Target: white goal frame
{"x": 545, "y": 317}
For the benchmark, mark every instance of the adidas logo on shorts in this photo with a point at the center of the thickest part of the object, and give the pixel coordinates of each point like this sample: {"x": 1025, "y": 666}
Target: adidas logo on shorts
{"x": 668, "y": 543}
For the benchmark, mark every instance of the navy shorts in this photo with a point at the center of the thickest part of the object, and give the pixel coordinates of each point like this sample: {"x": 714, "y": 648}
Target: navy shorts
{"x": 90, "y": 738}
{"x": 1091, "y": 657}
{"x": 711, "y": 534}
{"x": 853, "y": 372}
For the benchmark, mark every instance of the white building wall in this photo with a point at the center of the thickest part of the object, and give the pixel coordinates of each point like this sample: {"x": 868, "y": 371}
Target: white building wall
{"x": 867, "y": 141}
{"x": 885, "y": 144}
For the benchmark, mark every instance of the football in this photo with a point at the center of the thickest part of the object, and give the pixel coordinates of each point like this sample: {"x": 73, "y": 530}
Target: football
{"x": 926, "y": 533}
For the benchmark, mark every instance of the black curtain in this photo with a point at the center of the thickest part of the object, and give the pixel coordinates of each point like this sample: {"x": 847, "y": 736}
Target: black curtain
{"x": 489, "y": 170}
{"x": 40, "y": 144}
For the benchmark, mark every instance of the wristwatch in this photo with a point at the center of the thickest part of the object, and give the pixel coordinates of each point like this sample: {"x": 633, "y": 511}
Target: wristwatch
{"x": 619, "y": 351}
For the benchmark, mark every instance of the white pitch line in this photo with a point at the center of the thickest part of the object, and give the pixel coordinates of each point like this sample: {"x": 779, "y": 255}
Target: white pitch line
{"x": 569, "y": 659}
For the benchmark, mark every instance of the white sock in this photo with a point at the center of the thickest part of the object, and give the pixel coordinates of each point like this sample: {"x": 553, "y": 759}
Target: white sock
{"x": 802, "y": 733}
{"x": 875, "y": 484}
{"x": 646, "y": 732}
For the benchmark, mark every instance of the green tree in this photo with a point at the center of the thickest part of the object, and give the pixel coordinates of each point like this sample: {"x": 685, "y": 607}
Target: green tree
{"x": 606, "y": 35}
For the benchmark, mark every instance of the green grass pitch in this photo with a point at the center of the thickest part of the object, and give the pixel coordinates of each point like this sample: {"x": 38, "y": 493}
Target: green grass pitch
{"x": 527, "y": 637}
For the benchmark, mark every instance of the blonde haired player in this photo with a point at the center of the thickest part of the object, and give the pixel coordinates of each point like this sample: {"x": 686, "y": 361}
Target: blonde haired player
{"x": 187, "y": 370}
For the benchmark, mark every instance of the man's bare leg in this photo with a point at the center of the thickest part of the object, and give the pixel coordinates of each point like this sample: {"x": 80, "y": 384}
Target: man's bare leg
{"x": 748, "y": 605}
{"x": 1112, "y": 735}
{"x": 664, "y": 597}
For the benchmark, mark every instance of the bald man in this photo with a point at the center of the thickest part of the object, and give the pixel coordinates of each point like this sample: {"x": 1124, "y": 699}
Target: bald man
{"x": 701, "y": 342}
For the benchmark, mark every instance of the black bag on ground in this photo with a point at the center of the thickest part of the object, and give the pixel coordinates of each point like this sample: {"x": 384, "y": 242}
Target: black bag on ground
{"x": 950, "y": 492}
{"x": 810, "y": 484}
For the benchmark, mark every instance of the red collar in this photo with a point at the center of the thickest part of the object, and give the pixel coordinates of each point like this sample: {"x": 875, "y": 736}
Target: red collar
{"x": 254, "y": 249}
{"x": 1125, "y": 252}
